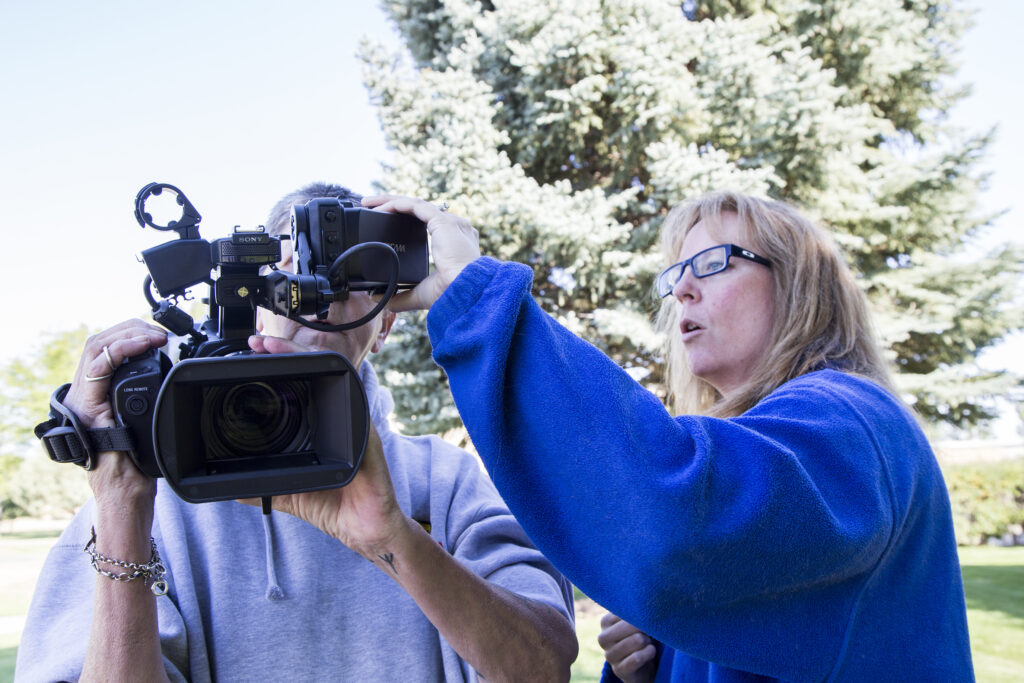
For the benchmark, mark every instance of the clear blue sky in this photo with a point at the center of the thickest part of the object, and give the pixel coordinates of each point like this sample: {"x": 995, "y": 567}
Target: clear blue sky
{"x": 237, "y": 103}
{"x": 991, "y": 62}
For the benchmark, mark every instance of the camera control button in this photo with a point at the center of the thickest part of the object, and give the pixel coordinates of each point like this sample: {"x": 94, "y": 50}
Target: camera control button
{"x": 136, "y": 405}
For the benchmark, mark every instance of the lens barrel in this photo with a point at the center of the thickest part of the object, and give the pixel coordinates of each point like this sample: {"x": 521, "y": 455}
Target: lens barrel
{"x": 250, "y": 419}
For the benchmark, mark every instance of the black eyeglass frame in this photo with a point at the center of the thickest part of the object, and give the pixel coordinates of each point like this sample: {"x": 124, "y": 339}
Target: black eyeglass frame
{"x": 732, "y": 250}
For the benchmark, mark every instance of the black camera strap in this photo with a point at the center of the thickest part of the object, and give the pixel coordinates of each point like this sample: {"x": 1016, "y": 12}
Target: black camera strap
{"x": 67, "y": 440}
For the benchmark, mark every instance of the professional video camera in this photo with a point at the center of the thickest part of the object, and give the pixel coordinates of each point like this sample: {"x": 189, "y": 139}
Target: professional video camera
{"x": 222, "y": 423}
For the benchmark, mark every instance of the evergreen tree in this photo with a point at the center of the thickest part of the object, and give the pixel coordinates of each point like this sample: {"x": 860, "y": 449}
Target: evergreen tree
{"x": 565, "y": 132}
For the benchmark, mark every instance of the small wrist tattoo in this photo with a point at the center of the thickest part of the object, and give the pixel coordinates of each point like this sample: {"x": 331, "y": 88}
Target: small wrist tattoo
{"x": 390, "y": 559}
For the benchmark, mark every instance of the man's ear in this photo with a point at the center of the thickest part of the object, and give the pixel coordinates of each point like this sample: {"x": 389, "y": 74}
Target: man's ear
{"x": 387, "y": 319}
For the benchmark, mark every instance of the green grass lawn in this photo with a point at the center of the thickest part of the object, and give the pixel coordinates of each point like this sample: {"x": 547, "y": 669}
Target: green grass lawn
{"x": 994, "y": 585}
{"x": 21, "y": 558}
{"x": 993, "y": 581}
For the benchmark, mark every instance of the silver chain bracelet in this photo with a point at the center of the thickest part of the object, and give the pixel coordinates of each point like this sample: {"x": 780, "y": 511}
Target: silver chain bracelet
{"x": 152, "y": 571}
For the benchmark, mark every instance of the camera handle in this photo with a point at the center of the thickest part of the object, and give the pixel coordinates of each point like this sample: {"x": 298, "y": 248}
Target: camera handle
{"x": 187, "y": 226}
{"x": 67, "y": 440}
{"x": 334, "y": 274}
{"x": 172, "y": 317}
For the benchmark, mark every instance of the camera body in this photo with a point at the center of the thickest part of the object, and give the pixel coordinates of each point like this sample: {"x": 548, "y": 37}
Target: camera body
{"x": 223, "y": 423}
{"x": 332, "y": 226}
{"x": 222, "y": 428}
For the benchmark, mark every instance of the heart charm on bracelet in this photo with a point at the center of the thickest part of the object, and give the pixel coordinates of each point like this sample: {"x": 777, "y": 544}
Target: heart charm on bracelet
{"x": 159, "y": 588}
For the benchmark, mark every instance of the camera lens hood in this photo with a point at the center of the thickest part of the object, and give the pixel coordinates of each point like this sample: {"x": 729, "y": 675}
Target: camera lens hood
{"x": 260, "y": 425}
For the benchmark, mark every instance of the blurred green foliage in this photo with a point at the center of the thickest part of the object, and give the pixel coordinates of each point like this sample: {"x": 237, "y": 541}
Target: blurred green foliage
{"x": 30, "y": 484}
{"x": 987, "y": 500}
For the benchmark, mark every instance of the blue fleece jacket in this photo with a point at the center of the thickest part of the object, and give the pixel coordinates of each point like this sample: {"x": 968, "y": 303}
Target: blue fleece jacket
{"x": 809, "y": 539}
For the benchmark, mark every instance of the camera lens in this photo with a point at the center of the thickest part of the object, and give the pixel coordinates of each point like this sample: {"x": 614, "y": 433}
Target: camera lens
{"x": 253, "y": 419}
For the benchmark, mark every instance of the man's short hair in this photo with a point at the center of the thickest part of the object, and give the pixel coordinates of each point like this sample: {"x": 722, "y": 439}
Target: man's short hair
{"x": 279, "y": 221}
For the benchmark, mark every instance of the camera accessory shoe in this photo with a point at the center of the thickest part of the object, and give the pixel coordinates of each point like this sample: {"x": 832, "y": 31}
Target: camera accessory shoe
{"x": 67, "y": 440}
{"x": 152, "y": 571}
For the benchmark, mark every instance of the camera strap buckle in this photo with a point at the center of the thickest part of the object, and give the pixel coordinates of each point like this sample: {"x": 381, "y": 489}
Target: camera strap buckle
{"x": 66, "y": 440}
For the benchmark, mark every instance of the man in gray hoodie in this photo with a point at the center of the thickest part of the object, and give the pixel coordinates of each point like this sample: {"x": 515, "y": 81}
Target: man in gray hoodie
{"x": 414, "y": 571}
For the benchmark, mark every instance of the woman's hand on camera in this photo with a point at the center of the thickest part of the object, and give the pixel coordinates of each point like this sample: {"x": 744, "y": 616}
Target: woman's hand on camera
{"x": 116, "y": 483}
{"x": 628, "y": 650}
{"x": 454, "y": 244}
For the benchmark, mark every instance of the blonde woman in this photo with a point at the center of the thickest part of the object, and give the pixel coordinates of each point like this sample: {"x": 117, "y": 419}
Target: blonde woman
{"x": 791, "y": 523}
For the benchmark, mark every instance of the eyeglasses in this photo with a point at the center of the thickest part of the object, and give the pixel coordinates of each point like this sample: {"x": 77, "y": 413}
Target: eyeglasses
{"x": 704, "y": 263}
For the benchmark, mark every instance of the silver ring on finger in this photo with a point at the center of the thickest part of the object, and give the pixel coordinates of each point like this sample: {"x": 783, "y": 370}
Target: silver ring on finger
{"x": 110, "y": 361}
{"x": 444, "y": 206}
{"x": 98, "y": 379}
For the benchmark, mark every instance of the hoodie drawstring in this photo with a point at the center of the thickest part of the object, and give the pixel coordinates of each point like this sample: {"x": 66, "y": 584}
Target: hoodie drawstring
{"x": 274, "y": 591}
